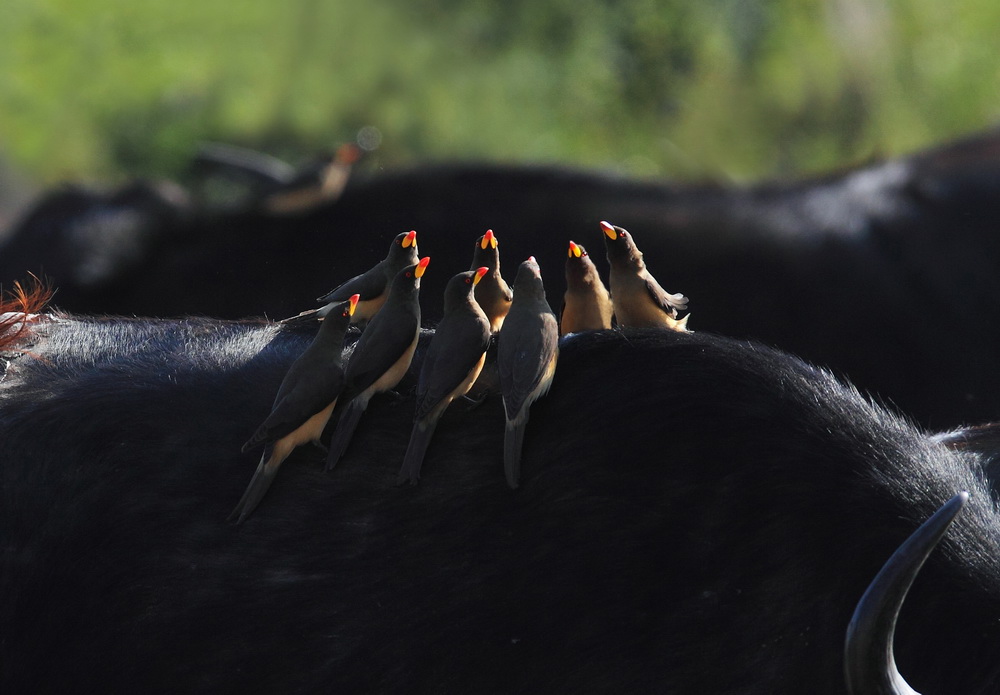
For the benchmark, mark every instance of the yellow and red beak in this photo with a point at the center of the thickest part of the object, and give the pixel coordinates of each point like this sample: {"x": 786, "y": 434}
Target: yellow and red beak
{"x": 410, "y": 239}
{"x": 488, "y": 239}
{"x": 422, "y": 266}
{"x": 609, "y": 229}
{"x": 574, "y": 251}
{"x": 354, "y": 303}
{"x": 480, "y": 272}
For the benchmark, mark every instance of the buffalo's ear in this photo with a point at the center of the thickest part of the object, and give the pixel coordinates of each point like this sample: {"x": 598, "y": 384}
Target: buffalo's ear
{"x": 869, "y": 664}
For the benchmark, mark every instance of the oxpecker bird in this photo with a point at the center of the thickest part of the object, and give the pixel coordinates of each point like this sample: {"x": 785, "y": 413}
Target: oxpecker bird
{"x": 454, "y": 360}
{"x": 303, "y": 406}
{"x": 381, "y": 357}
{"x": 637, "y": 297}
{"x": 319, "y": 181}
{"x": 586, "y": 304}
{"x": 492, "y": 293}
{"x": 526, "y": 359}
{"x": 372, "y": 285}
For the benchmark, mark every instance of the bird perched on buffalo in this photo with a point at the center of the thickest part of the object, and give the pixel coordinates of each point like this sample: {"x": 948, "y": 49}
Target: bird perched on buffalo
{"x": 586, "y": 303}
{"x": 372, "y": 285}
{"x": 303, "y": 406}
{"x": 492, "y": 293}
{"x": 637, "y": 297}
{"x": 526, "y": 359}
{"x": 454, "y": 360}
{"x": 381, "y": 357}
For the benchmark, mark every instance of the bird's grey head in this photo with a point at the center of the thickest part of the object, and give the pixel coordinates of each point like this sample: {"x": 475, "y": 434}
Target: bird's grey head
{"x": 403, "y": 250}
{"x": 460, "y": 287}
{"x": 619, "y": 244}
{"x": 528, "y": 282}
{"x": 339, "y": 317}
{"x": 578, "y": 262}
{"x": 485, "y": 252}
{"x": 408, "y": 279}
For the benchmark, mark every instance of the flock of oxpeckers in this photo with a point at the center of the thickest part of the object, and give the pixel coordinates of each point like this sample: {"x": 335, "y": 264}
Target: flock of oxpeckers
{"x": 479, "y": 307}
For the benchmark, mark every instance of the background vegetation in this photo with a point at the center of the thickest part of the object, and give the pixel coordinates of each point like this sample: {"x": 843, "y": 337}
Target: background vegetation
{"x": 739, "y": 89}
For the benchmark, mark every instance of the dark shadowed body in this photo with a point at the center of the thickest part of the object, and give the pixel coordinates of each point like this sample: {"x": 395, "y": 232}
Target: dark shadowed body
{"x": 707, "y": 525}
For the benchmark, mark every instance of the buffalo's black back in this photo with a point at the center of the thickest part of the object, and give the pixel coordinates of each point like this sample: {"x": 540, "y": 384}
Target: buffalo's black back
{"x": 695, "y": 515}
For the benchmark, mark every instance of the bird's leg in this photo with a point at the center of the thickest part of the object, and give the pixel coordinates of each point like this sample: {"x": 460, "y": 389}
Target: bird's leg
{"x": 474, "y": 402}
{"x": 396, "y": 396}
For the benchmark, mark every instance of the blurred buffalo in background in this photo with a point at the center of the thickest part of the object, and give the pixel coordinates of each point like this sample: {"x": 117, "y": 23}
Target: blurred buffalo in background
{"x": 888, "y": 273}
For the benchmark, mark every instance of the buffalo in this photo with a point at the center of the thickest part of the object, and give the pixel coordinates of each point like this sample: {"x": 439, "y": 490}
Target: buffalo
{"x": 95, "y": 242}
{"x": 696, "y": 514}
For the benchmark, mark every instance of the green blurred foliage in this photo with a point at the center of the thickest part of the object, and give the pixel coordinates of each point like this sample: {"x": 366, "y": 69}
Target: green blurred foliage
{"x": 738, "y": 89}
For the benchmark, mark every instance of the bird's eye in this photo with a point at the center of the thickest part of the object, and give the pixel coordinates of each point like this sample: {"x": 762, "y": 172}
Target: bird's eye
{"x": 409, "y": 274}
{"x": 468, "y": 280}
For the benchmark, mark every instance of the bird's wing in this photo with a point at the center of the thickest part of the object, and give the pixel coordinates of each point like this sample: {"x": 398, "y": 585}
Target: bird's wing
{"x": 306, "y": 396}
{"x": 454, "y": 351}
{"x": 525, "y": 363}
{"x": 369, "y": 284}
{"x": 380, "y": 347}
{"x": 505, "y": 290}
{"x": 670, "y": 303}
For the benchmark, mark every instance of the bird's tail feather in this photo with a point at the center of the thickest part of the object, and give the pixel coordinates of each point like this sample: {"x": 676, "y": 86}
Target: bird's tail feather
{"x": 513, "y": 442}
{"x": 258, "y": 436}
{"x": 267, "y": 469}
{"x": 420, "y": 439}
{"x": 328, "y": 297}
{"x": 304, "y": 318}
{"x": 346, "y": 425}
